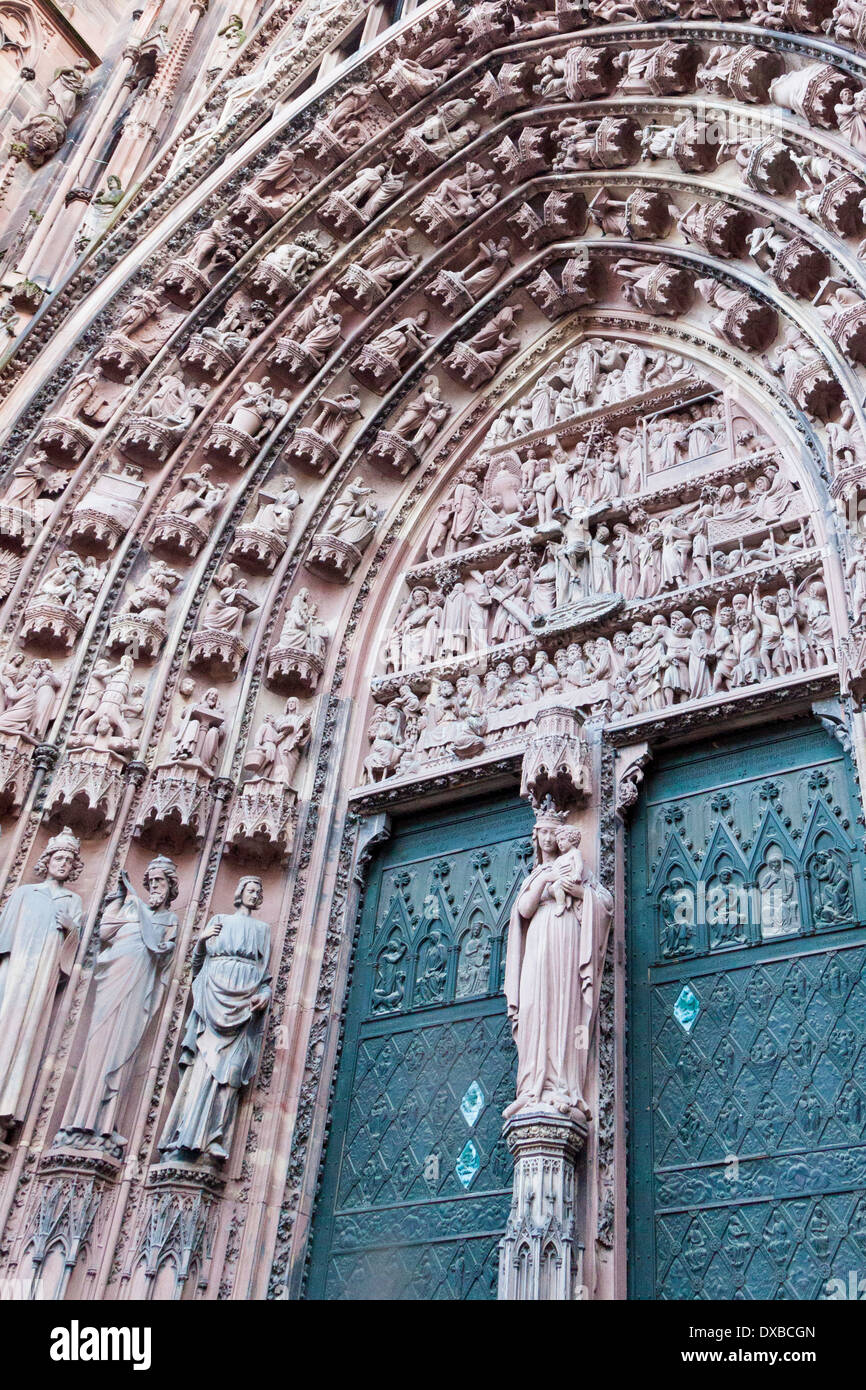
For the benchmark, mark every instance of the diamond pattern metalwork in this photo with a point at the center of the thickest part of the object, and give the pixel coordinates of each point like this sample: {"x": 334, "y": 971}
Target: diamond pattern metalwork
{"x": 468, "y": 1163}
{"x": 687, "y": 1008}
{"x": 414, "y": 1203}
{"x": 472, "y": 1103}
{"x": 750, "y": 1061}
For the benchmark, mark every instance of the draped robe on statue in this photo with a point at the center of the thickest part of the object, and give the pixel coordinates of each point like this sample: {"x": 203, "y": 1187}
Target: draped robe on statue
{"x": 129, "y": 973}
{"x": 223, "y": 1038}
{"x": 550, "y": 969}
{"x": 34, "y": 952}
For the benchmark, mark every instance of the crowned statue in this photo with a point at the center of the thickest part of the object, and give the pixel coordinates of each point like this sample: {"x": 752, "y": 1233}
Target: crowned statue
{"x": 556, "y": 937}
{"x": 39, "y": 929}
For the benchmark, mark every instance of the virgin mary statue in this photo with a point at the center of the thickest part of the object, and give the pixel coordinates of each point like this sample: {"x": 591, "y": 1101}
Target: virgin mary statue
{"x": 555, "y": 937}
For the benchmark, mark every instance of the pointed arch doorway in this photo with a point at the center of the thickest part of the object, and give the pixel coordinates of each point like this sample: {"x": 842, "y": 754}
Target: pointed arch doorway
{"x": 747, "y": 1021}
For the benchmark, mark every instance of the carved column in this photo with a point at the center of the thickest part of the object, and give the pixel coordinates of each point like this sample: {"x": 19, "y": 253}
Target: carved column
{"x": 540, "y": 1257}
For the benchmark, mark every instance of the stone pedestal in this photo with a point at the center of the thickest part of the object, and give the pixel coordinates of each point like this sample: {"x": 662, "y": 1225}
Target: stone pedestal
{"x": 333, "y": 558}
{"x": 293, "y": 671}
{"x": 148, "y": 442}
{"x": 175, "y": 1232}
{"x": 230, "y": 445}
{"x": 174, "y": 806}
{"x": 257, "y": 549}
{"x": 209, "y": 359}
{"x": 87, "y": 789}
{"x": 106, "y": 512}
{"x": 293, "y": 361}
{"x": 18, "y": 526}
{"x": 540, "y": 1255}
{"x": 176, "y": 535}
{"x": 136, "y": 633}
{"x": 184, "y": 283}
{"x": 50, "y": 625}
{"x": 65, "y": 441}
{"x": 260, "y": 825}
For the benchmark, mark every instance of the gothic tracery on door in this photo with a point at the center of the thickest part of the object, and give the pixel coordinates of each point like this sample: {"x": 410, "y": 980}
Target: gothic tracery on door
{"x": 747, "y": 1015}
{"x": 417, "y": 1180}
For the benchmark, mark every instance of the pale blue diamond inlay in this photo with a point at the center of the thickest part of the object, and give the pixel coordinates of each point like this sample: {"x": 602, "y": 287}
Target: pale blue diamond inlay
{"x": 472, "y": 1103}
{"x": 468, "y": 1163}
{"x": 687, "y": 1008}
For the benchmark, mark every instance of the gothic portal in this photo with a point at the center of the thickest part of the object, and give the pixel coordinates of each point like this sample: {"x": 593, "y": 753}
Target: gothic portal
{"x": 433, "y": 649}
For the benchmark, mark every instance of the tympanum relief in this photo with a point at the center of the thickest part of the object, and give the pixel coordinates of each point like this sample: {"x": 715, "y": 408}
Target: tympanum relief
{"x": 626, "y": 539}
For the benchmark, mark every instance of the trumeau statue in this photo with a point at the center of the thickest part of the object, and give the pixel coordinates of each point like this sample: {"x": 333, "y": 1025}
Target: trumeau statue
{"x": 39, "y": 929}
{"x": 556, "y": 939}
{"x": 223, "y": 1037}
{"x": 136, "y": 938}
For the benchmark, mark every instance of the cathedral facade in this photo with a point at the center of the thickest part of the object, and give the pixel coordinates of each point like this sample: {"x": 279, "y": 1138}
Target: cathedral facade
{"x": 433, "y": 573}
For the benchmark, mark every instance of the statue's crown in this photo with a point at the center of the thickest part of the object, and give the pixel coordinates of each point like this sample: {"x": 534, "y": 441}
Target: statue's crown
{"x": 548, "y": 813}
{"x": 64, "y": 839}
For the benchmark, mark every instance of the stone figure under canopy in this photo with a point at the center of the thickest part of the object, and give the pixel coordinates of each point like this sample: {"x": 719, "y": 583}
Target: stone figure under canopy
{"x": 301, "y": 626}
{"x": 136, "y": 938}
{"x": 39, "y": 928}
{"x": 279, "y": 744}
{"x": 223, "y": 1037}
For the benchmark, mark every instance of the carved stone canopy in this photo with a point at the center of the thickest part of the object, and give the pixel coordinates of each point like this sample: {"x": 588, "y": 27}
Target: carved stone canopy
{"x": 555, "y": 764}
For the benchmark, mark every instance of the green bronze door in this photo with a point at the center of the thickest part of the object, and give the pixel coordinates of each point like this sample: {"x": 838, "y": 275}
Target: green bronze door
{"x": 417, "y": 1182}
{"x": 747, "y": 1022}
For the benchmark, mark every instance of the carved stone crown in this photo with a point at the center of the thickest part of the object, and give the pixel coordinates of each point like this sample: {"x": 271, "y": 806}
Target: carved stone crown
{"x": 548, "y": 813}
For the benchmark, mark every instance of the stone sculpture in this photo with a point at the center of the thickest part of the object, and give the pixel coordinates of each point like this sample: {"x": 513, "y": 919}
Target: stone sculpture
{"x": 223, "y": 1036}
